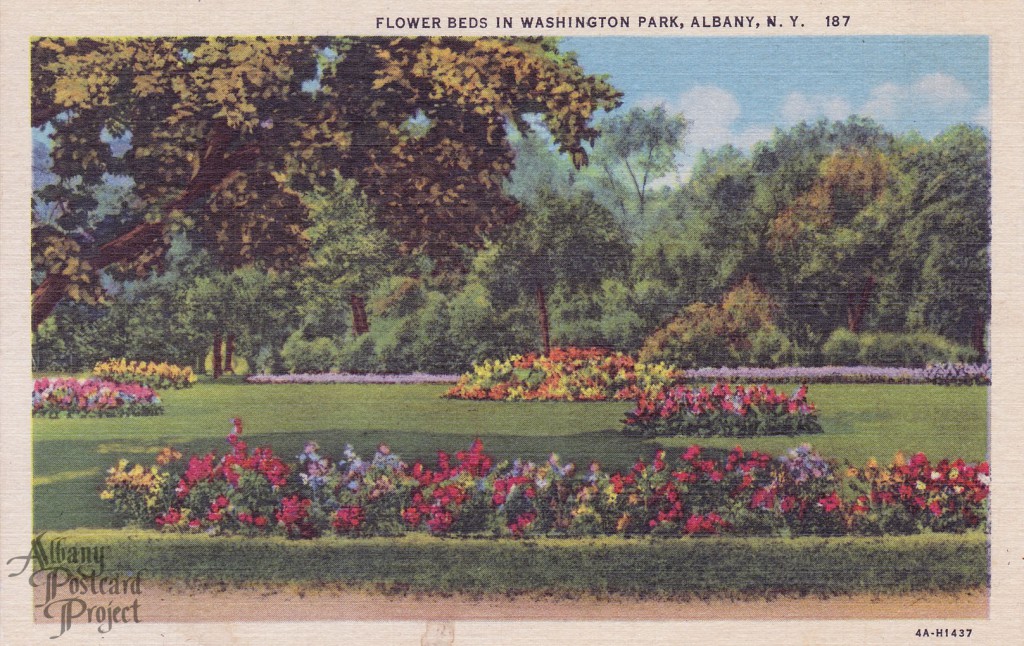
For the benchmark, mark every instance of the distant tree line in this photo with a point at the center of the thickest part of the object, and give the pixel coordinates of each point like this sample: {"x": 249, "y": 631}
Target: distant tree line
{"x": 230, "y": 200}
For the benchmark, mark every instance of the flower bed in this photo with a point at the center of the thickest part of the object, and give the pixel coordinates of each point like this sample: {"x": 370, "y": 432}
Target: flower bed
{"x": 254, "y": 492}
{"x": 569, "y": 374}
{"x": 152, "y": 374}
{"x": 92, "y": 397}
{"x": 350, "y": 378}
{"x": 743, "y": 411}
{"x": 943, "y": 374}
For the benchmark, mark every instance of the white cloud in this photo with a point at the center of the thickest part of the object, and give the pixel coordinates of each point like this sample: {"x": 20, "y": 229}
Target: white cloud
{"x": 933, "y": 97}
{"x": 885, "y": 101}
{"x": 941, "y": 90}
{"x": 712, "y": 112}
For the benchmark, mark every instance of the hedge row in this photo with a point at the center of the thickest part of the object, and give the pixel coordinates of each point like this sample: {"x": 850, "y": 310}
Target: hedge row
{"x": 641, "y": 568}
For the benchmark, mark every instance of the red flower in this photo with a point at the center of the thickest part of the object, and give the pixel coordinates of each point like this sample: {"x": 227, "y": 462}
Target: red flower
{"x": 348, "y": 519}
{"x": 830, "y": 503}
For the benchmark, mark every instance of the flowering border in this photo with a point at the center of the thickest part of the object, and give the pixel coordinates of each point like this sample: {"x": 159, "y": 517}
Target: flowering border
{"x": 92, "y": 398}
{"x": 254, "y": 492}
{"x": 724, "y": 410}
{"x": 151, "y": 373}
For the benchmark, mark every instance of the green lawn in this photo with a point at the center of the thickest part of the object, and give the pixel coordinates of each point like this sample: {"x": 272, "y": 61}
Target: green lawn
{"x": 71, "y": 455}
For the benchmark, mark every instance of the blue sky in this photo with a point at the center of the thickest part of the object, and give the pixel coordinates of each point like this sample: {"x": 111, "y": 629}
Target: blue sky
{"x": 736, "y": 90}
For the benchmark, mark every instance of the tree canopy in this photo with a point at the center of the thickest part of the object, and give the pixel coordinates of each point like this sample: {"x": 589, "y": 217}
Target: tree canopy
{"x": 221, "y": 136}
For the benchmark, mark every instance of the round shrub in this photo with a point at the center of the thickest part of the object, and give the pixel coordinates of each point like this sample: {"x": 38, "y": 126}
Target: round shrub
{"x": 717, "y": 335}
{"x": 841, "y": 348}
{"x": 770, "y": 347}
{"x": 916, "y": 349}
{"x": 316, "y": 355}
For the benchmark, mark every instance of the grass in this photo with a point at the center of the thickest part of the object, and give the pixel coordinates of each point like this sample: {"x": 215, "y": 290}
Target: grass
{"x": 648, "y": 568}
{"x": 71, "y": 455}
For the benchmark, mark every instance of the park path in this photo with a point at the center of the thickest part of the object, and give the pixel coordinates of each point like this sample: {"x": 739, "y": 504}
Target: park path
{"x": 175, "y": 603}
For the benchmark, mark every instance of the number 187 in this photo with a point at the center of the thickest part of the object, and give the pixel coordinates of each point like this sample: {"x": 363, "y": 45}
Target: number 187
{"x": 837, "y": 21}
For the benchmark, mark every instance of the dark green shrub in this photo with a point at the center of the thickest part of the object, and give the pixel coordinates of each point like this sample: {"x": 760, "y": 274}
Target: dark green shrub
{"x": 301, "y": 355}
{"x": 916, "y": 349}
{"x": 841, "y": 348}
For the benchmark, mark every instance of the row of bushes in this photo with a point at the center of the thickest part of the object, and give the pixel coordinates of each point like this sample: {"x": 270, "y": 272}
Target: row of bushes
{"x": 254, "y": 492}
{"x": 741, "y": 330}
{"x": 915, "y": 350}
{"x": 769, "y": 347}
{"x": 682, "y": 343}
{"x": 678, "y": 569}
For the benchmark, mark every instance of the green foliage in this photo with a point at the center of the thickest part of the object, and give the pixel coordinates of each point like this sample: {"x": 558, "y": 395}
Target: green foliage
{"x": 642, "y": 568}
{"x": 722, "y": 334}
{"x": 634, "y": 150}
{"x": 911, "y": 349}
{"x": 225, "y": 134}
{"x": 841, "y": 348}
{"x": 835, "y": 226}
{"x": 357, "y": 354}
{"x": 314, "y": 355}
{"x": 769, "y": 346}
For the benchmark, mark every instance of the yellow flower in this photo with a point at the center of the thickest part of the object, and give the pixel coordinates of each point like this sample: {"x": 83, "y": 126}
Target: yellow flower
{"x": 899, "y": 459}
{"x": 623, "y": 523}
{"x": 107, "y": 494}
{"x": 583, "y": 509}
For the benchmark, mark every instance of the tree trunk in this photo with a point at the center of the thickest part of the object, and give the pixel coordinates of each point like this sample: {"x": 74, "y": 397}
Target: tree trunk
{"x": 229, "y": 353}
{"x": 545, "y": 328}
{"x": 219, "y": 162}
{"x": 978, "y": 335}
{"x": 857, "y": 305}
{"x": 218, "y": 368}
{"x": 360, "y": 324}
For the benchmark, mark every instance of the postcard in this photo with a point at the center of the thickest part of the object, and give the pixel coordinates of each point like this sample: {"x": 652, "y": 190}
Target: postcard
{"x": 451, "y": 323}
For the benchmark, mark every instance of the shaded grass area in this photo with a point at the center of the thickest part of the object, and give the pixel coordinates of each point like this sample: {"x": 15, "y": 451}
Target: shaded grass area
{"x": 70, "y": 456}
{"x": 641, "y": 568}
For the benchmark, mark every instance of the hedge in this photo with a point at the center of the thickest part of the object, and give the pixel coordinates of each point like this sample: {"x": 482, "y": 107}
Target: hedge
{"x": 673, "y": 568}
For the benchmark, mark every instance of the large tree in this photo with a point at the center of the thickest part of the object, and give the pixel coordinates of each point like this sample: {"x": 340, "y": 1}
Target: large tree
{"x": 221, "y": 136}
{"x": 949, "y": 235}
{"x": 568, "y": 240}
{"x": 635, "y": 150}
